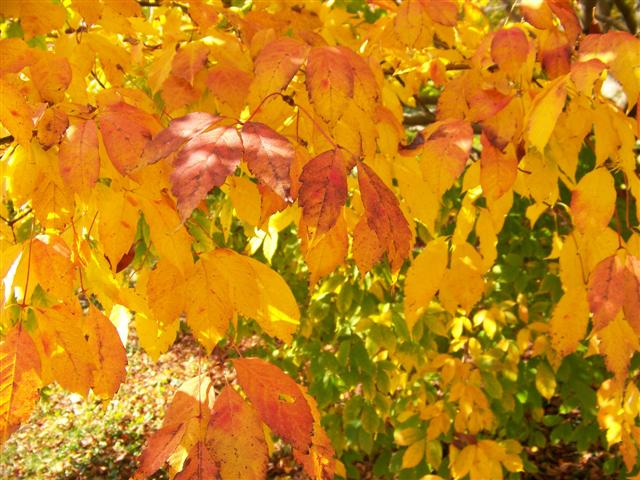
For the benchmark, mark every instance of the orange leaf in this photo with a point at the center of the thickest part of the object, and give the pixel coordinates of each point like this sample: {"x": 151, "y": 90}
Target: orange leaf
{"x": 498, "y": 169}
{"x": 235, "y": 427}
{"x": 204, "y": 162}
{"x": 275, "y": 66}
{"x": 509, "y": 49}
{"x": 51, "y": 127}
{"x": 51, "y": 75}
{"x": 189, "y": 60}
{"x": 230, "y": 86}
{"x": 632, "y": 293}
{"x": 126, "y": 130}
{"x": 324, "y": 191}
{"x": 79, "y": 158}
{"x": 268, "y": 155}
{"x": 51, "y": 263}
{"x": 278, "y": 400}
{"x": 106, "y": 347}
{"x": 19, "y": 379}
{"x": 593, "y": 201}
{"x": 199, "y": 465}
{"x": 544, "y": 113}
{"x": 384, "y": 217}
{"x": 606, "y": 290}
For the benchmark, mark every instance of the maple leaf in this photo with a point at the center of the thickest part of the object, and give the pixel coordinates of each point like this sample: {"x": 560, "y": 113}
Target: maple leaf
{"x": 234, "y": 426}
{"x": 278, "y": 400}
{"x": 384, "y": 217}
{"x": 268, "y": 156}
{"x": 79, "y": 157}
{"x": 323, "y": 192}
{"x": 204, "y": 162}
{"x": 19, "y": 379}
{"x": 176, "y": 134}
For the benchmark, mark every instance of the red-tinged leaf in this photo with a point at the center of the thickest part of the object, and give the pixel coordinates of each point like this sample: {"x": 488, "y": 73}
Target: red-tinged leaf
{"x": 19, "y": 379}
{"x": 189, "y": 60}
{"x": 176, "y": 134}
{"x": 445, "y": 154}
{"x": 268, "y": 155}
{"x": 199, "y": 465}
{"x": 367, "y": 250}
{"x": 111, "y": 357}
{"x": 498, "y": 170}
{"x": 444, "y": 12}
{"x": 565, "y": 11}
{"x": 234, "y": 428}
{"x": 384, "y": 216}
{"x": 79, "y": 159}
{"x": 324, "y": 190}
{"x": 631, "y": 305}
{"x": 51, "y": 75}
{"x": 606, "y": 292}
{"x": 158, "y": 449}
{"x": 537, "y": 13}
{"x": 555, "y": 52}
{"x": 330, "y": 80}
{"x": 278, "y": 400}
{"x": 187, "y": 417}
{"x": 126, "y": 130}
{"x": 230, "y": 86}
{"x": 276, "y": 65}
{"x": 585, "y": 74}
{"x": 618, "y": 50}
{"x": 510, "y": 49}
{"x": 204, "y": 162}
{"x": 318, "y": 461}
{"x": 485, "y": 104}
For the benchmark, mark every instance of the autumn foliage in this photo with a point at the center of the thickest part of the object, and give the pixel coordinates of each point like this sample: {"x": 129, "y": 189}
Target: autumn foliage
{"x": 426, "y": 215}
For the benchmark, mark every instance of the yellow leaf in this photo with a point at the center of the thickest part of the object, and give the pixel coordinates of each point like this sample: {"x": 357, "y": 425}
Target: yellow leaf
{"x": 618, "y": 343}
{"x": 424, "y": 277}
{"x": 463, "y": 461}
{"x": 545, "y": 381}
{"x": 246, "y": 199}
{"x": 593, "y": 201}
{"x": 168, "y": 234}
{"x": 569, "y": 321}
{"x": 414, "y": 454}
{"x": 544, "y": 113}
{"x": 116, "y": 224}
{"x": 406, "y": 436}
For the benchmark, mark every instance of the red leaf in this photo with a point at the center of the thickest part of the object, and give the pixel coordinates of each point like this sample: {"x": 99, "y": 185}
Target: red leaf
{"x": 203, "y": 163}
{"x": 268, "y": 155}
{"x": 606, "y": 290}
{"x": 324, "y": 190}
{"x": 278, "y": 400}
{"x": 384, "y": 217}
{"x": 179, "y": 131}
